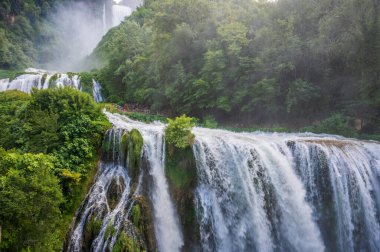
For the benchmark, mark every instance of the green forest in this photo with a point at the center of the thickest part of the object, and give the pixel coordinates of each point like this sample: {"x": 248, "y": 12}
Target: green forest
{"x": 27, "y": 34}
{"x": 289, "y": 62}
{"x": 49, "y": 144}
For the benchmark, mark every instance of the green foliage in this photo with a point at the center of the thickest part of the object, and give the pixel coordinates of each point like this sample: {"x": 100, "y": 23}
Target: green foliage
{"x": 178, "y": 132}
{"x": 94, "y": 226}
{"x": 336, "y": 124}
{"x": 180, "y": 168}
{"x": 57, "y": 133}
{"x": 30, "y": 197}
{"x": 21, "y": 29}
{"x": 8, "y": 74}
{"x": 248, "y": 62}
{"x": 125, "y": 243}
{"x": 300, "y": 96}
{"x": 86, "y": 82}
{"x": 145, "y": 117}
{"x": 52, "y": 80}
{"x": 209, "y": 122}
{"x": 136, "y": 215}
{"x": 181, "y": 171}
{"x": 110, "y": 231}
{"x": 135, "y": 145}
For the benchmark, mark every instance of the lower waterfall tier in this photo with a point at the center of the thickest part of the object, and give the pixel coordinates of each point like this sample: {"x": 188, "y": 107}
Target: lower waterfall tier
{"x": 232, "y": 192}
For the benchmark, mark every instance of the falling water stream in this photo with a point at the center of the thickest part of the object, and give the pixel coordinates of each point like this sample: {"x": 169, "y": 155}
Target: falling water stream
{"x": 41, "y": 79}
{"x": 259, "y": 191}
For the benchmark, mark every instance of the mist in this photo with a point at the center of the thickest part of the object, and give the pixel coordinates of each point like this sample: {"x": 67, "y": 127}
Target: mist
{"x": 79, "y": 27}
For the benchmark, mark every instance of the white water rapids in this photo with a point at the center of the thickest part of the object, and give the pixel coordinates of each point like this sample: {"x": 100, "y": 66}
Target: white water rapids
{"x": 167, "y": 230}
{"x": 267, "y": 191}
{"x": 42, "y": 79}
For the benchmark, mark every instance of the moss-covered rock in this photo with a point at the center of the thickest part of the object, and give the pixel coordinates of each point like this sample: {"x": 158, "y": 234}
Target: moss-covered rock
{"x": 52, "y": 80}
{"x": 142, "y": 219}
{"x": 136, "y": 215}
{"x": 92, "y": 229}
{"x": 115, "y": 191}
{"x": 182, "y": 176}
{"x": 110, "y": 231}
{"x": 135, "y": 145}
{"x": 106, "y": 147}
{"x": 126, "y": 243}
{"x": 131, "y": 147}
{"x": 86, "y": 82}
{"x": 43, "y": 78}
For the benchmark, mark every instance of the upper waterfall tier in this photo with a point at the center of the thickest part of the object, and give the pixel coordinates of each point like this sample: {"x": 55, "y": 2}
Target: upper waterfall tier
{"x": 41, "y": 79}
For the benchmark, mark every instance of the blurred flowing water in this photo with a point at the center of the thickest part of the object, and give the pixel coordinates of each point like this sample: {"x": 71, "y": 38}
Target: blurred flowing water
{"x": 42, "y": 79}
{"x": 255, "y": 192}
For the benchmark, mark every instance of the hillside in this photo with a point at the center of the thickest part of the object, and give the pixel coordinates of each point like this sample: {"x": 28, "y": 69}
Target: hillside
{"x": 289, "y": 62}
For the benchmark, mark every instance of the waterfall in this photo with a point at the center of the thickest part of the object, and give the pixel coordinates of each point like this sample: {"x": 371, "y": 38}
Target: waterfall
{"x": 112, "y": 179}
{"x": 41, "y": 79}
{"x": 96, "y": 91}
{"x": 254, "y": 192}
{"x": 104, "y": 19}
{"x": 271, "y": 192}
{"x": 119, "y": 12}
{"x": 166, "y": 224}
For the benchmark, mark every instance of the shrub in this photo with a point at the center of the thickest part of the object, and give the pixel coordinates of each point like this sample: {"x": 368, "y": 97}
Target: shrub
{"x": 178, "y": 132}
{"x": 336, "y": 124}
{"x": 209, "y": 122}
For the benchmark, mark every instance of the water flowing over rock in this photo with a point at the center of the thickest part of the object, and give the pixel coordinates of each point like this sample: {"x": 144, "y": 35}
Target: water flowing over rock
{"x": 166, "y": 224}
{"x": 41, "y": 79}
{"x": 254, "y": 192}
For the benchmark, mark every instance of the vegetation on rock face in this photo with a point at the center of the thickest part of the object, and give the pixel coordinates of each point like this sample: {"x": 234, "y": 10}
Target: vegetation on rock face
{"x": 135, "y": 145}
{"x": 290, "y": 62}
{"x": 131, "y": 148}
{"x": 86, "y": 82}
{"x": 49, "y": 142}
{"x": 181, "y": 171}
{"x": 125, "y": 244}
{"x": 91, "y": 230}
{"x": 178, "y": 132}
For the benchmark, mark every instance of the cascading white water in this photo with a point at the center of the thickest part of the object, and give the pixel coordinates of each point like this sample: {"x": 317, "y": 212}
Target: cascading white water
{"x": 255, "y": 192}
{"x": 24, "y": 83}
{"x": 166, "y": 223}
{"x": 40, "y": 79}
{"x": 104, "y": 18}
{"x": 267, "y": 192}
{"x": 119, "y": 12}
{"x": 97, "y": 205}
{"x": 239, "y": 178}
{"x": 96, "y": 91}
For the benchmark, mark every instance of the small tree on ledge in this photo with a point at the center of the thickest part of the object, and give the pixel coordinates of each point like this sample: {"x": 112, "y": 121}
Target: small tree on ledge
{"x": 178, "y": 132}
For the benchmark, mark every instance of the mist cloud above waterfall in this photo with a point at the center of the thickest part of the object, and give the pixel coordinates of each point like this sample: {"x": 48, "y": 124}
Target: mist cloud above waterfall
{"x": 78, "y": 28}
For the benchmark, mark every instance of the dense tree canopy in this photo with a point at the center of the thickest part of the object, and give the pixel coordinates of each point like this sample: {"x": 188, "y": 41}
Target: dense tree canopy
{"x": 27, "y": 35}
{"x": 49, "y": 142}
{"x": 291, "y": 61}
